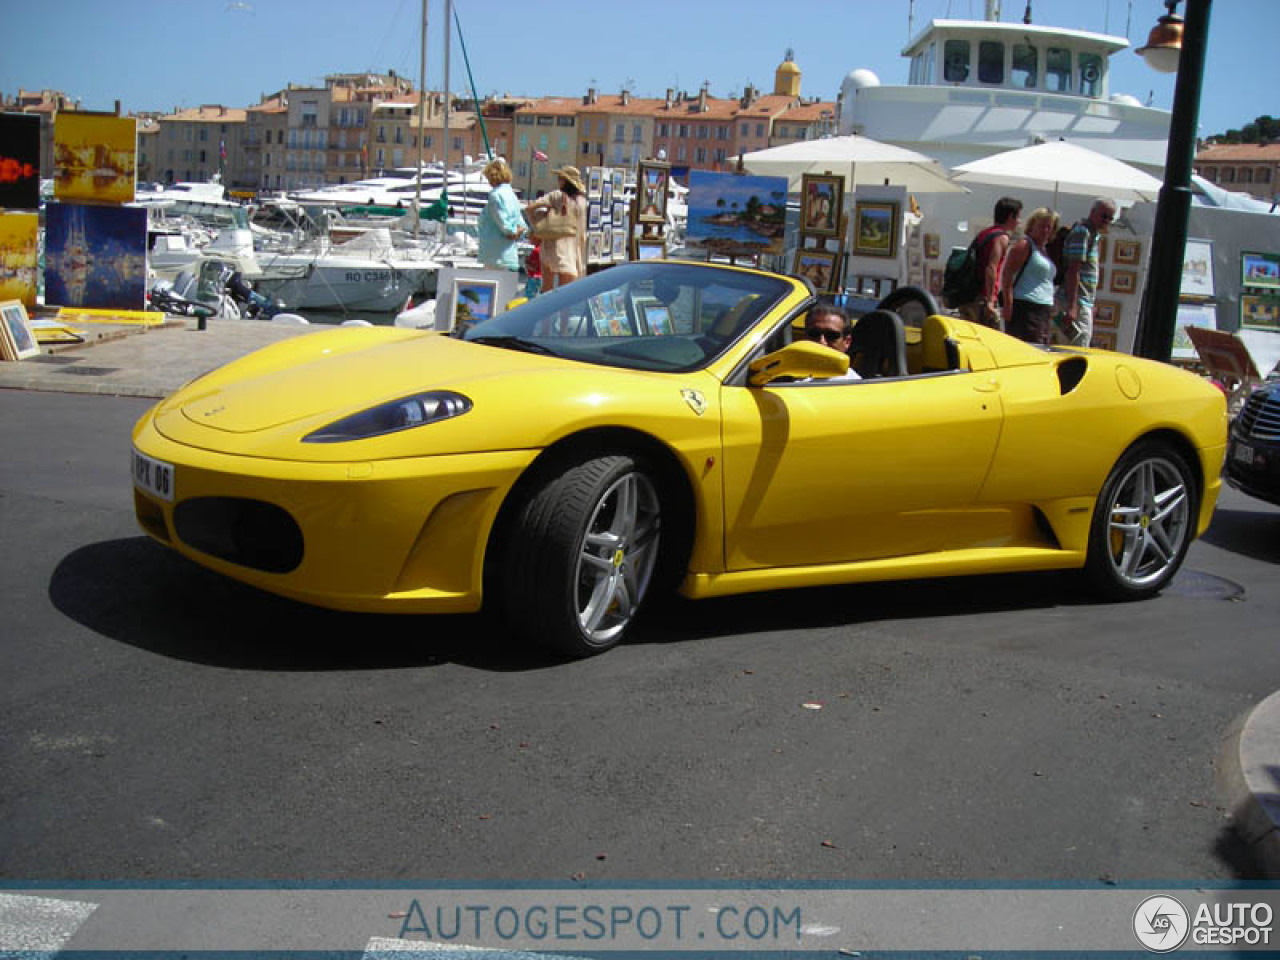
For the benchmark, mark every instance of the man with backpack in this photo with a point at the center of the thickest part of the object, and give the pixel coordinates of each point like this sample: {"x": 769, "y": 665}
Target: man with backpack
{"x": 989, "y": 249}
{"x": 1080, "y": 279}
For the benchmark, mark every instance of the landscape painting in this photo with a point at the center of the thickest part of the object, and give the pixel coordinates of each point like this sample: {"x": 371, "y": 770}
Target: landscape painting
{"x": 19, "y": 161}
{"x": 94, "y": 157}
{"x": 19, "y": 251}
{"x": 95, "y": 257}
{"x": 736, "y": 215}
{"x": 875, "y": 229}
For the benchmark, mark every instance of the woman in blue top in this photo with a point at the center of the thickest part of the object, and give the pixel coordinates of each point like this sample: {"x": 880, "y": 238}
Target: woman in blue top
{"x": 502, "y": 222}
{"x": 1028, "y": 281}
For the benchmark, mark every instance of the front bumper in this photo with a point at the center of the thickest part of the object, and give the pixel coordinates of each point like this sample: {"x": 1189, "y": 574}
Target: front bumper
{"x": 1253, "y": 467}
{"x": 405, "y": 535}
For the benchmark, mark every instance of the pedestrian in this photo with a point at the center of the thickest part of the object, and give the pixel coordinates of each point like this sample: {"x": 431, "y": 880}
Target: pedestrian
{"x": 502, "y": 223}
{"x": 1027, "y": 283}
{"x": 1080, "y": 254}
{"x": 991, "y": 246}
{"x": 560, "y": 220}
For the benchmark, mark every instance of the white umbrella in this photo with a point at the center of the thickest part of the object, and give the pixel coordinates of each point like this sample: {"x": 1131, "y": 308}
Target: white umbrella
{"x": 858, "y": 159}
{"x": 1067, "y": 167}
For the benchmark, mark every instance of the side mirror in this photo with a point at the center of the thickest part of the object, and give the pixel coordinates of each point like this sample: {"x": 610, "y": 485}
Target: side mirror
{"x": 799, "y": 360}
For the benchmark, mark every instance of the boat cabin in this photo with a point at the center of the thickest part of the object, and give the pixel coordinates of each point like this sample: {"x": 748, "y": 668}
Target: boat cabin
{"x": 1012, "y": 56}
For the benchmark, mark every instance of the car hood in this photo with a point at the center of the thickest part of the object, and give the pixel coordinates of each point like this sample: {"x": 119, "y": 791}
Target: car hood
{"x": 265, "y": 403}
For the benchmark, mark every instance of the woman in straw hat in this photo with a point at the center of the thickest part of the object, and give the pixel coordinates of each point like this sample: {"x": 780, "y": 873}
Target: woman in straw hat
{"x": 564, "y": 258}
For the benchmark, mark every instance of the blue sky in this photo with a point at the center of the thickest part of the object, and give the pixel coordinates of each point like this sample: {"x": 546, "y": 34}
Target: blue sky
{"x": 161, "y": 54}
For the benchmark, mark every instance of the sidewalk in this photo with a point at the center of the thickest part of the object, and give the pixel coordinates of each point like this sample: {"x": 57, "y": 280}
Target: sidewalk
{"x": 129, "y": 360}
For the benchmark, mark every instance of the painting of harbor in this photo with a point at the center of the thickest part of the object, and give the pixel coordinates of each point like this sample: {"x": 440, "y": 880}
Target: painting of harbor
{"x": 18, "y": 257}
{"x": 94, "y": 157}
{"x": 95, "y": 256}
{"x": 736, "y": 215}
{"x": 19, "y": 161}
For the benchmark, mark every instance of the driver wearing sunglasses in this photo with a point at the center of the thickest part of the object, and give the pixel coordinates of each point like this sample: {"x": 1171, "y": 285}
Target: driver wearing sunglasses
{"x": 830, "y": 326}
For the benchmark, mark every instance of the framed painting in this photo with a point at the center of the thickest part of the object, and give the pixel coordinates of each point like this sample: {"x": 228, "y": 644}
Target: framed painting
{"x": 650, "y": 249}
{"x": 594, "y": 246}
{"x": 1260, "y": 312}
{"x": 474, "y": 301}
{"x": 1103, "y": 339}
{"x": 1128, "y": 252}
{"x": 19, "y": 256}
{"x": 875, "y": 229}
{"x": 618, "y": 248}
{"x": 736, "y": 215}
{"x": 1123, "y": 281}
{"x": 606, "y": 192}
{"x": 936, "y": 275}
{"x": 651, "y": 192}
{"x": 19, "y": 161}
{"x": 1197, "y": 270}
{"x": 94, "y": 157}
{"x": 1261, "y": 270}
{"x": 654, "y": 314}
{"x": 17, "y": 339}
{"x": 595, "y": 180}
{"x": 1106, "y": 314}
{"x": 932, "y": 246}
{"x": 1200, "y": 315}
{"x": 593, "y": 215}
{"x": 821, "y": 200}
{"x": 818, "y": 267}
{"x": 619, "y": 211}
{"x": 95, "y": 256}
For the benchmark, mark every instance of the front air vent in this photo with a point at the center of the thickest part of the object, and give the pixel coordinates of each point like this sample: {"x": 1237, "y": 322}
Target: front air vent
{"x": 1070, "y": 372}
{"x": 1260, "y": 417}
{"x": 248, "y": 532}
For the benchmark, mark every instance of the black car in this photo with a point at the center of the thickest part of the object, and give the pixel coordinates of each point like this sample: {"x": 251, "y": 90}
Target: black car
{"x": 1253, "y": 456}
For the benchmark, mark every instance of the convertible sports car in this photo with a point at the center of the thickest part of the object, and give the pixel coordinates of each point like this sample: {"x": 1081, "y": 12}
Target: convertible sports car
{"x": 668, "y": 425}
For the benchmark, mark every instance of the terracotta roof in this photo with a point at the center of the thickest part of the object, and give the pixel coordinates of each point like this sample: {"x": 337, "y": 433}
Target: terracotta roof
{"x": 612, "y": 103}
{"x": 563, "y": 106}
{"x": 822, "y": 110}
{"x": 210, "y": 114}
{"x": 1262, "y": 152}
{"x": 768, "y": 105}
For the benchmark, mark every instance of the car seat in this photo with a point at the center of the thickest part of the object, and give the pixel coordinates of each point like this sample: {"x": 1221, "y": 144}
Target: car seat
{"x": 878, "y": 347}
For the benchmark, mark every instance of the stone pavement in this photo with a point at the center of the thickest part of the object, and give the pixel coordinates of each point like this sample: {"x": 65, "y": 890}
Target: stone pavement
{"x": 130, "y": 360}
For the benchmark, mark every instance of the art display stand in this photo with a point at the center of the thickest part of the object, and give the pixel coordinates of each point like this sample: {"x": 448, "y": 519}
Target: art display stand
{"x": 820, "y": 250}
{"x": 648, "y": 211}
{"x": 469, "y": 295}
{"x": 875, "y": 242}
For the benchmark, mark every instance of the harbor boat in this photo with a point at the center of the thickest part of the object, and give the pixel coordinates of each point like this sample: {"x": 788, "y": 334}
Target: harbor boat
{"x": 368, "y": 273}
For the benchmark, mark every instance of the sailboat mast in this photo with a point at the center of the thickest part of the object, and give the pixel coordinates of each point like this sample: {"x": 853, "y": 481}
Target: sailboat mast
{"x": 422, "y": 119}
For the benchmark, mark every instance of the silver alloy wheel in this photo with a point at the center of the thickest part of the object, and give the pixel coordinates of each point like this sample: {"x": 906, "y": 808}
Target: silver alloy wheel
{"x": 1149, "y": 522}
{"x": 616, "y": 557}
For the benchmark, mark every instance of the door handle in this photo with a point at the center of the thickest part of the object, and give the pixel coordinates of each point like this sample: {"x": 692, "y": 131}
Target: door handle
{"x": 990, "y": 385}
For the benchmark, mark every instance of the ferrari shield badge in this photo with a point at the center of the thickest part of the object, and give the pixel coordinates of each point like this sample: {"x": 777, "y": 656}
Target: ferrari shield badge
{"x": 694, "y": 398}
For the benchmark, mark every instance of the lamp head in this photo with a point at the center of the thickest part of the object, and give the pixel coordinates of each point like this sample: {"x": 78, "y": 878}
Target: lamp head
{"x": 1164, "y": 44}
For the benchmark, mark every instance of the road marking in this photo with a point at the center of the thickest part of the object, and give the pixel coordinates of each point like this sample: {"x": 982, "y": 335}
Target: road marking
{"x": 32, "y": 925}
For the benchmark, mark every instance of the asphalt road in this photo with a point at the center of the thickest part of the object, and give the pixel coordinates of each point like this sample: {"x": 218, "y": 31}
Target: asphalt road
{"x": 160, "y": 723}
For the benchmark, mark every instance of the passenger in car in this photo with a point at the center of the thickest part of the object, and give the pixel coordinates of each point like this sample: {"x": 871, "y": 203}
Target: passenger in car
{"x": 830, "y": 325}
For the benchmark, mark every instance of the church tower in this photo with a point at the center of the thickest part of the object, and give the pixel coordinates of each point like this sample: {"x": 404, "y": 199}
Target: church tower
{"x": 786, "y": 79}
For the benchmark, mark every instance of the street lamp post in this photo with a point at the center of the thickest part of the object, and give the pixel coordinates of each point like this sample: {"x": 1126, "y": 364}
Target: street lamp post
{"x": 1159, "y": 314}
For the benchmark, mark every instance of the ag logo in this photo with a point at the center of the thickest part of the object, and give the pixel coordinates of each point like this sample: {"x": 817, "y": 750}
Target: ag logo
{"x": 1161, "y": 924}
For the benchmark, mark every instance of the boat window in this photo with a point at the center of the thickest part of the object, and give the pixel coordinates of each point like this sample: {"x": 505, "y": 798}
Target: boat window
{"x": 991, "y": 62}
{"x": 930, "y": 55}
{"x": 1025, "y": 69}
{"x": 1057, "y": 70}
{"x": 917, "y": 64}
{"x": 955, "y": 67}
{"x": 1091, "y": 74}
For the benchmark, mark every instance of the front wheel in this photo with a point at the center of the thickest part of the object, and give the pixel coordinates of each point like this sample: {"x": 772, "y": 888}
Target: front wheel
{"x": 1143, "y": 523}
{"x": 582, "y": 555}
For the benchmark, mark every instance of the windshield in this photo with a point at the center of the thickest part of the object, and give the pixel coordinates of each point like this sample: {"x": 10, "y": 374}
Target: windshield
{"x": 643, "y": 316}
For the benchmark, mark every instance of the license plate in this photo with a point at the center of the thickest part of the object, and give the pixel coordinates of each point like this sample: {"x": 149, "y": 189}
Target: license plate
{"x": 153, "y": 476}
{"x": 1243, "y": 453}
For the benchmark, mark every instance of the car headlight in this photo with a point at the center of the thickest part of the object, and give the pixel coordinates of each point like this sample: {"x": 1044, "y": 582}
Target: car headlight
{"x": 395, "y": 415}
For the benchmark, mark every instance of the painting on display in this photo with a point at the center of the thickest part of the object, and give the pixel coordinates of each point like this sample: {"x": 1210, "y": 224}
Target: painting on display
{"x": 821, "y": 200}
{"x": 1260, "y": 312}
{"x": 1201, "y": 315}
{"x": 19, "y": 161}
{"x": 19, "y": 252}
{"x": 651, "y": 187}
{"x": 474, "y": 301}
{"x": 17, "y": 340}
{"x": 1197, "y": 269}
{"x": 95, "y": 256}
{"x": 875, "y": 229}
{"x": 1260, "y": 270}
{"x": 736, "y": 215}
{"x": 94, "y": 157}
{"x": 818, "y": 267}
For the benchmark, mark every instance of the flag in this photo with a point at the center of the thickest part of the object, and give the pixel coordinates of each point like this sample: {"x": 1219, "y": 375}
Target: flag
{"x": 539, "y": 155}
{"x": 222, "y": 149}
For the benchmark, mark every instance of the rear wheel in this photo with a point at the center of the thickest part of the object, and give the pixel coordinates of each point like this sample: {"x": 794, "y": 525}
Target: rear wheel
{"x": 1143, "y": 523}
{"x": 582, "y": 555}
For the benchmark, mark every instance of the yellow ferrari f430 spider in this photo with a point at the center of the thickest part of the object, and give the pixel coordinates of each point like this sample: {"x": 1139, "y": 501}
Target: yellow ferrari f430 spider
{"x": 667, "y": 425}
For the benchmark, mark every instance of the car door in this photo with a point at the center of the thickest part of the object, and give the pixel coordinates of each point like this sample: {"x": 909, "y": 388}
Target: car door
{"x": 831, "y": 472}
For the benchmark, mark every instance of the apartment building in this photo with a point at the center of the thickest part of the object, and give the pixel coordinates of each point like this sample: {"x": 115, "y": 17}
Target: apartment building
{"x": 1252, "y": 168}
{"x": 545, "y": 137}
{"x": 199, "y": 142}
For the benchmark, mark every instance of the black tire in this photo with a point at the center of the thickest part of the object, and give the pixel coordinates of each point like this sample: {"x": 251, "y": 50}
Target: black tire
{"x": 581, "y": 555}
{"x": 917, "y": 301}
{"x": 1143, "y": 523}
